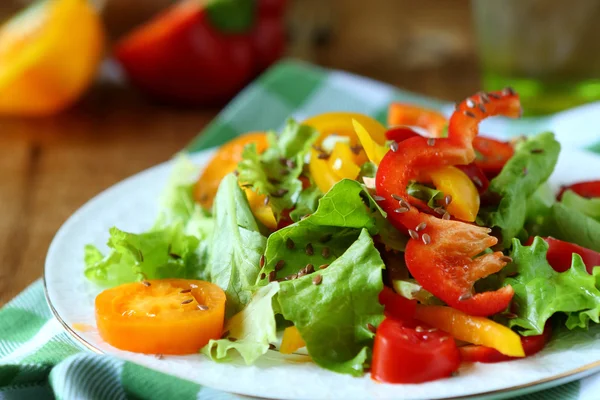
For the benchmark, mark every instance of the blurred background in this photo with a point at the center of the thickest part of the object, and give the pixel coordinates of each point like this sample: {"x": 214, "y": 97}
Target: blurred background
{"x": 87, "y": 97}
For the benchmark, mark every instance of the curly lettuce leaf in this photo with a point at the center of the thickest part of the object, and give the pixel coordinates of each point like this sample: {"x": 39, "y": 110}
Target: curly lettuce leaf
{"x": 531, "y": 165}
{"x": 326, "y": 234}
{"x": 541, "y": 292}
{"x": 589, "y": 207}
{"x": 276, "y": 171}
{"x": 236, "y": 247}
{"x": 175, "y": 247}
{"x": 177, "y": 201}
{"x": 333, "y": 316}
{"x": 253, "y": 329}
{"x": 165, "y": 253}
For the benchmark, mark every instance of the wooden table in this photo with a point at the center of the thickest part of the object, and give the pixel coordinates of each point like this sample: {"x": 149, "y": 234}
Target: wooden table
{"x": 50, "y": 167}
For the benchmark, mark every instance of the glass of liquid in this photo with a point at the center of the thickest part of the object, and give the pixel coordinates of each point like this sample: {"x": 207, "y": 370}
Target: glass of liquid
{"x": 547, "y": 50}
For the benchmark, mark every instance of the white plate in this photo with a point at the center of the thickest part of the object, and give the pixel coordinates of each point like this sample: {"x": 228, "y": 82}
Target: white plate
{"x": 132, "y": 205}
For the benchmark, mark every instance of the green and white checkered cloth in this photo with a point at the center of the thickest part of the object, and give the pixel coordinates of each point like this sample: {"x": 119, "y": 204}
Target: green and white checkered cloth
{"x": 38, "y": 360}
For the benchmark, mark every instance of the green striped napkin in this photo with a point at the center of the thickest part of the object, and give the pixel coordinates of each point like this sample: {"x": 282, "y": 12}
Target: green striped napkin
{"x": 38, "y": 360}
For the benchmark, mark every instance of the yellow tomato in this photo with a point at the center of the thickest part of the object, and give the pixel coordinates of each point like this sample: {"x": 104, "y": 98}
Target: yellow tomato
{"x": 476, "y": 330}
{"x": 49, "y": 55}
{"x": 224, "y": 162}
{"x": 465, "y": 198}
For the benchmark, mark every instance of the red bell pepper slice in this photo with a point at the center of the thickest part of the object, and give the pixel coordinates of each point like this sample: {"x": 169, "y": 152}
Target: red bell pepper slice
{"x": 492, "y": 155}
{"x": 440, "y": 255}
{"x": 483, "y": 354}
{"x": 396, "y": 306}
{"x": 473, "y": 171}
{"x": 589, "y": 189}
{"x": 411, "y": 352}
{"x": 560, "y": 254}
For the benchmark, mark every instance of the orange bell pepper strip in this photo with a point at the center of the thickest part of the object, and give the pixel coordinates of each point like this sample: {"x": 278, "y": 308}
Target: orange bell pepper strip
{"x": 168, "y": 316}
{"x": 49, "y": 55}
{"x": 443, "y": 255}
{"x": 476, "y": 330}
{"x": 411, "y": 115}
{"x": 291, "y": 341}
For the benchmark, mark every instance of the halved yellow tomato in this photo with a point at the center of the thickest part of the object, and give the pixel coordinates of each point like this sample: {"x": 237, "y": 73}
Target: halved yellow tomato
{"x": 49, "y": 55}
{"x": 224, "y": 162}
{"x": 170, "y": 316}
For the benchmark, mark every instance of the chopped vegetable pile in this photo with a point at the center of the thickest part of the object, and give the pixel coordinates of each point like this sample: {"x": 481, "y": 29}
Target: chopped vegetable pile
{"x": 405, "y": 250}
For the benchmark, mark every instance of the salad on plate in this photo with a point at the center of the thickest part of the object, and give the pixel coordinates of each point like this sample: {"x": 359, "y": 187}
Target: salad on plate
{"x": 399, "y": 251}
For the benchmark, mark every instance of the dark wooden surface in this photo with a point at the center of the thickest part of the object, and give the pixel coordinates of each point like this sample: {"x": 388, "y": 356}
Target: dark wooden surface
{"x": 49, "y": 167}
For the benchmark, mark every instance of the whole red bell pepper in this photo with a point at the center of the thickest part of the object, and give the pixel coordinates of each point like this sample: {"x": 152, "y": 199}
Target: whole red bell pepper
{"x": 203, "y": 52}
{"x": 443, "y": 255}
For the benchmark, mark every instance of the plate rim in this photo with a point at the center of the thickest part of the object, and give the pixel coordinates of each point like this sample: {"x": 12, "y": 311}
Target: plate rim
{"x": 548, "y": 382}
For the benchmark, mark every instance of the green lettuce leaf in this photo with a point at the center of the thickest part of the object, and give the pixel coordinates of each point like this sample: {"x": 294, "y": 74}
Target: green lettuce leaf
{"x": 165, "y": 253}
{"x": 411, "y": 289}
{"x": 177, "y": 201}
{"x": 175, "y": 247}
{"x": 236, "y": 246}
{"x": 531, "y": 166}
{"x": 326, "y": 234}
{"x": 429, "y": 195}
{"x": 307, "y": 203}
{"x": 253, "y": 329}
{"x": 333, "y": 317}
{"x": 539, "y": 207}
{"x": 589, "y": 207}
{"x": 573, "y": 226}
{"x": 541, "y": 292}
{"x": 276, "y": 171}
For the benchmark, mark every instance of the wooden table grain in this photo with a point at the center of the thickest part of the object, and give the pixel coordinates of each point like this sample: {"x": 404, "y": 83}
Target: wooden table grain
{"x": 51, "y": 166}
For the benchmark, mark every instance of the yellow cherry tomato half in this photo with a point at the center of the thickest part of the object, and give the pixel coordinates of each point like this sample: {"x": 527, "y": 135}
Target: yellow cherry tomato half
{"x": 476, "y": 330}
{"x": 465, "y": 199}
{"x": 170, "y": 316}
{"x": 49, "y": 54}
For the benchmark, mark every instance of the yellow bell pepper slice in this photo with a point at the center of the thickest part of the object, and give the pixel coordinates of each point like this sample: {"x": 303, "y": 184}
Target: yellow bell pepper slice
{"x": 291, "y": 341}
{"x": 340, "y": 123}
{"x": 476, "y": 330}
{"x": 374, "y": 150}
{"x": 49, "y": 54}
{"x": 341, "y": 162}
{"x": 465, "y": 198}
